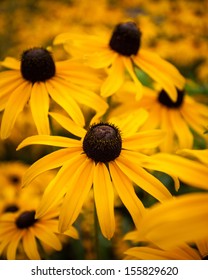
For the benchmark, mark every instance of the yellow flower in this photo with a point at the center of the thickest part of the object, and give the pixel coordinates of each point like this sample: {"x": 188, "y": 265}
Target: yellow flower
{"x": 178, "y": 119}
{"x": 107, "y": 156}
{"x": 122, "y": 51}
{"x": 36, "y": 79}
{"x": 22, "y": 228}
{"x": 169, "y": 227}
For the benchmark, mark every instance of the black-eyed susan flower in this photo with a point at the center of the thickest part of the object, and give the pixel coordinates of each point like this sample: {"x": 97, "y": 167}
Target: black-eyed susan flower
{"x": 168, "y": 228}
{"x": 35, "y": 79}
{"x": 122, "y": 51}
{"x": 106, "y": 157}
{"x": 21, "y": 228}
{"x": 181, "y": 119}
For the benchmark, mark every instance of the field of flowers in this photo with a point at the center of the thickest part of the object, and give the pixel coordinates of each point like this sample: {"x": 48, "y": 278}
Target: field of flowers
{"x": 103, "y": 130}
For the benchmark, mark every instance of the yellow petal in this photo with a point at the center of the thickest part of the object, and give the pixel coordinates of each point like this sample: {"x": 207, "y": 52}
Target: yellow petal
{"x": 115, "y": 77}
{"x": 80, "y": 185}
{"x": 126, "y": 192}
{"x": 30, "y": 246}
{"x": 11, "y": 63}
{"x": 143, "y": 140}
{"x": 14, "y": 106}
{"x": 57, "y": 188}
{"x": 39, "y": 104}
{"x": 60, "y": 94}
{"x": 13, "y": 245}
{"x": 141, "y": 177}
{"x": 188, "y": 171}
{"x": 68, "y": 124}
{"x": 50, "y": 161}
{"x": 104, "y": 200}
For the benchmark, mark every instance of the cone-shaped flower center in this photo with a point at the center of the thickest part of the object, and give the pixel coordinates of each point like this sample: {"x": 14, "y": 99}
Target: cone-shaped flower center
{"x": 102, "y": 142}
{"x": 126, "y": 39}
{"x": 11, "y": 208}
{"x": 165, "y": 100}
{"x": 37, "y": 65}
{"x": 26, "y": 219}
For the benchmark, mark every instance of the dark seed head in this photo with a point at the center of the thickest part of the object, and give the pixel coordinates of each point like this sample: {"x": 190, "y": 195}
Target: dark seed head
{"x": 26, "y": 219}
{"x": 165, "y": 100}
{"x": 11, "y": 208}
{"x": 37, "y": 65}
{"x": 102, "y": 142}
{"x": 126, "y": 39}
{"x": 205, "y": 257}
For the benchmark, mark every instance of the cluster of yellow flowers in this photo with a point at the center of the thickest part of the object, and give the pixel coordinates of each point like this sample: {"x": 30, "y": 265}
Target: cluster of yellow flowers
{"x": 117, "y": 147}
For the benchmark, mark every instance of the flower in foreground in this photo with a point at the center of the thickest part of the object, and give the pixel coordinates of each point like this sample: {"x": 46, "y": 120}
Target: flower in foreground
{"x": 36, "y": 79}
{"x": 122, "y": 52}
{"x": 168, "y": 228}
{"x": 106, "y": 157}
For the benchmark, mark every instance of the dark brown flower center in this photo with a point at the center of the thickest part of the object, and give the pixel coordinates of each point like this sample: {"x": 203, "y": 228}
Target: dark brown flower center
{"x": 37, "y": 65}
{"x": 126, "y": 39}
{"x": 11, "y": 208}
{"x": 26, "y": 219}
{"x": 165, "y": 100}
{"x": 102, "y": 142}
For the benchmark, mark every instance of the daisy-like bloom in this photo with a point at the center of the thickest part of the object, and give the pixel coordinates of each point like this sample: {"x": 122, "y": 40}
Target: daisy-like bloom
{"x": 35, "y": 79}
{"x": 170, "y": 226}
{"x": 21, "y": 228}
{"x": 106, "y": 157}
{"x": 119, "y": 52}
{"x": 179, "y": 119}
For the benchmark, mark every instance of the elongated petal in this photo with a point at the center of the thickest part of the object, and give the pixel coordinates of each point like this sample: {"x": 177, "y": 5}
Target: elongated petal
{"x": 101, "y": 59}
{"x": 44, "y": 234}
{"x": 104, "y": 200}
{"x": 148, "y": 253}
{"x": 161, "y": 71}
{"x": 11, "y": 63}
{"x": 51, "y": 161}
{"x": 57, "y": 188}
{"x": 68, "y": 124}
{"x": 58, "y": 141}
{"x": 80, "y": 185}
{"x": 39, "y": 104}
{"x": 139, "y": 89}
{"x": 129, "y": 123}
{"x": 144, "y": 140}
{"x": 178, "y": 220}
{"x": 13, "y": 245}
{"x": 201, "y": 155}
{"x": 60, "y": 94}
{"x": 181, "y": 129}
{"x": 188, "y": 171}
{"x": 15, "y": 105}
{"x": 30, "y": 246}
{"x": 142, "y": 178}
{"x": 126, "y": 193}
{"x": 115, "y": 78}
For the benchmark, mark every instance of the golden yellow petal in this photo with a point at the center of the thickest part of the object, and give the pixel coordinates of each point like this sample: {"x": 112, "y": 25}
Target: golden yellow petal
{"x": 104, "y": 200}
{"x": 13, "y": 245}
{"x": 39, "y": 104}
{"x": 141, "y": 177}
{"x": 126, "y": 192}
{"x": 80, "y": 185}
{"x": 68, "y": 124}
{"x": 19, "y": 97}
{"x": 30, "y": 246}
{"x": 10, "y": 62}
{"x": 115, "y": 77}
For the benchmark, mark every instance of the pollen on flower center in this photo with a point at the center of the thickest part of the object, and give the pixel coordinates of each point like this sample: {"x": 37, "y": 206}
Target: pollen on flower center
{"x": 102, "y": 142}
{"x": 37, "y": 65}
{"x": 165, "y": 100}
{"x": 26, "y": 219}
{"x": 126, "y": 39}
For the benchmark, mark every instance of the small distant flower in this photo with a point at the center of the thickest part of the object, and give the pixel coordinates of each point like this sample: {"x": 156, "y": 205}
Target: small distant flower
{"x": 122, "y": 51}
{"x": 107, "y": 157}
{"x": 37, "y": 78}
